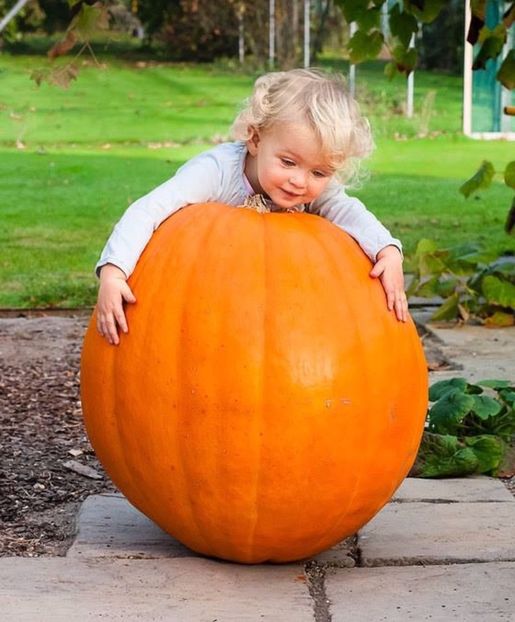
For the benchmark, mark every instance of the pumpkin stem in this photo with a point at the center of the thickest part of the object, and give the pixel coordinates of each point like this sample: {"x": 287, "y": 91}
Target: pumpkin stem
{"x": 257, "y": 203}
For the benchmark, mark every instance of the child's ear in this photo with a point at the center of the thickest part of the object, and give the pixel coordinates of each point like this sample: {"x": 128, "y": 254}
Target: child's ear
{"x": 253, "y": 141}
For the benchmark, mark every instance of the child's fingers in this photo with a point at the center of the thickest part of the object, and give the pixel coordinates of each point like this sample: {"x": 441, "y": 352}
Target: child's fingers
{"x": 127, "y": 294}
{"x": 106, "y": 326}
{"x": 121, "y": 319}
{"x": 401, "y": 307}
{"x": 377, "y": 270}
{"x": 110, "y": 332}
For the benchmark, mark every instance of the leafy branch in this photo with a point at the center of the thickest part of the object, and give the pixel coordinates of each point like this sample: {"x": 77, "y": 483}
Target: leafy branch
{"x": 87, "y": 18}
{"x": 404, "y": 20}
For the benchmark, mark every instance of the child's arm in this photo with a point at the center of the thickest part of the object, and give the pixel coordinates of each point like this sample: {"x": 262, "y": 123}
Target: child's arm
{"x": 374, "y": 238}
{"x": 197, "y": 181}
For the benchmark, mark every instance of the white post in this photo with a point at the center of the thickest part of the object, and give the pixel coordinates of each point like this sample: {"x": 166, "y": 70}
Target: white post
{"x": 467, "y": 76}
{"x": 241, "y": 33}
{"x": 307, "y": 25}
{"x": 271, "y": 33}
{"x": 12, "y": 13}
{"x": 385, "y": 28}
{"x": 410, "y": 86}
{"x": 352, "y": 68}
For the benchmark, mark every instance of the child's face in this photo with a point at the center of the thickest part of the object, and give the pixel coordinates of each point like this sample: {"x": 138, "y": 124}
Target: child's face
{"x": 286, "y": 163}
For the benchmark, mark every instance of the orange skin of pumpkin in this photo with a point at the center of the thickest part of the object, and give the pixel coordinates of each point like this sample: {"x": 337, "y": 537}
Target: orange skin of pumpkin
{"x": 265, "y": 403}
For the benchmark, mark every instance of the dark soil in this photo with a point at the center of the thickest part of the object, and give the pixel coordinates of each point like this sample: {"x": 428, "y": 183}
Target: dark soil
{"x": 41, "y": 433}
{"x": 41, "y": 430}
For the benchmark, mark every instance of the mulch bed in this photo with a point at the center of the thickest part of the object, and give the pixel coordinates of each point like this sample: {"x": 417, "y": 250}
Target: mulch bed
{"x": 43, "y": 443}
{"x": 41, "y": 430}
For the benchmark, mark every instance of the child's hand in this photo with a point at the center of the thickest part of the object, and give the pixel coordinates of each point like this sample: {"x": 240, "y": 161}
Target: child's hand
{"x": 388, "y": 268}
{"x": 112, "y": 292}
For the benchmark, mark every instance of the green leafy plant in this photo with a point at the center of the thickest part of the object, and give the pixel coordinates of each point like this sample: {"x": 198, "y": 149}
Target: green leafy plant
{"x": 472, "y": 285}
{"x": 468, "y": 431}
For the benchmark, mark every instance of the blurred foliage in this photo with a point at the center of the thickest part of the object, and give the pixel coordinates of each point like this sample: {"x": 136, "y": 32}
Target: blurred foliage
{"x": 471, "y": 287}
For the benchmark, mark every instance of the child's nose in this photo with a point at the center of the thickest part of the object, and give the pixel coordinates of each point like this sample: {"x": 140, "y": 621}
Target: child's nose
{"x": 298, "y": 179}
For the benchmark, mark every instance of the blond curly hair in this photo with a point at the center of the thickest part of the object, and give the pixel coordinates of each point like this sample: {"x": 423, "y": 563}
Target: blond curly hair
{"x": 319, "y": 99}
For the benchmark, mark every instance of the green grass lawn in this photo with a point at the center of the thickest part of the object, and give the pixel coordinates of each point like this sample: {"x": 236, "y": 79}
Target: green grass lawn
{"x": 89, "y": 151}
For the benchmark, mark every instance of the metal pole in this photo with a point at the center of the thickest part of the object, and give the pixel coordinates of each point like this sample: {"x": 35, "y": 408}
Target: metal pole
{"x": 12, "y": 13}
{"x": 307, "y": 25}
{"x": 271, "y": 33}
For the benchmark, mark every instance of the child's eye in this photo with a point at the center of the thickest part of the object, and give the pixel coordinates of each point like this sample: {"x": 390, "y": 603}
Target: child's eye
{"x": 287, "y": 162}
{"x": 319, "y": 174}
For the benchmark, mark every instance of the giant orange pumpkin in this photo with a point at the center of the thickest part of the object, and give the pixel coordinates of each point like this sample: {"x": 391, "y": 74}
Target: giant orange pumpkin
{"x": 265, "y": 404}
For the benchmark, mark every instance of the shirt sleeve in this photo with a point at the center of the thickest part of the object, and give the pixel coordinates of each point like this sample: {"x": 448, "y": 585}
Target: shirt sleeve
{"x": 197, "y": 181}
{"x": 352, "y": 216}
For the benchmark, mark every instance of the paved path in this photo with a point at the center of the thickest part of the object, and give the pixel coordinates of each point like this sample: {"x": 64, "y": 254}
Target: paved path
{"x": 440, "y": 550}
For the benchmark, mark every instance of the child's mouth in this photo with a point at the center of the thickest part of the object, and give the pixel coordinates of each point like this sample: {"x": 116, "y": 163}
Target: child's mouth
{"x": 291, "y": 195}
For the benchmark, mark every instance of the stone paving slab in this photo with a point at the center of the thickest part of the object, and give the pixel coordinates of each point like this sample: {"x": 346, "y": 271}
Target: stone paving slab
{"x": 109, "y": 526}
{"x": 471, "y": 489}
{"x": 464, "y": 592}
{"x": 480, "y": 352}
{"x": 405, "y": 534}
{"x": 164, "y": 590}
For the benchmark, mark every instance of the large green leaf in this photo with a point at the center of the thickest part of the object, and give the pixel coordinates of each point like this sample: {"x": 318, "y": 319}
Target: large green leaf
{"x": 429, "y": 259}
{"x": 492, "y": 45}
{"x": 443, "y": 456}
{"x": 390, "y": 70}
{"x": 485, "y": 406}
{"x": 504, "y": 266}
{"x": 508, "y": 395}
{"x": 446, "y": 414}
{"x": 405, "y": 59}
{"x": 89, "y": 19}
{"x": 365, "y": 46}
{"x": 402, "y": 25}
{"x": 442, "y": 387}
{"x": 352, "y": 9}
{"x": 489, "y": 451}
{"x": 498, "y": 291}
{"x": 506, "y": 73}
{"x": 496, "y": 384}
{"x": 500, "y": 319}
{"x": 371, "y": 18}
{"x": 482, "y": 178}
{"x": 509, "y": 173}
{"x": 425, "y": 11}
{"x": 448, "y": 311}
{"x": 478, "y": 8}
{"x": 426, "y": 245}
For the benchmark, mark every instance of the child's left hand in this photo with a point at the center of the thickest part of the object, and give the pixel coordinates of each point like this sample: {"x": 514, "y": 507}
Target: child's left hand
{"x": 388, "y": 268}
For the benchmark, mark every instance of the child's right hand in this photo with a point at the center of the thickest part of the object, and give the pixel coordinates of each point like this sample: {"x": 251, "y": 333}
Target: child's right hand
{"x": 112, "y": 292}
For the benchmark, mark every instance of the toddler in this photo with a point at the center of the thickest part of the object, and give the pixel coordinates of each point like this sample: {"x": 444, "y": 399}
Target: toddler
{"x": 298, "y": 140}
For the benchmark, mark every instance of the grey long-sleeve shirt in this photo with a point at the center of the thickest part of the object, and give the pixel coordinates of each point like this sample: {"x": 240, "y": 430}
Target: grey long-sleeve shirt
{"x": 218, "y": 175}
